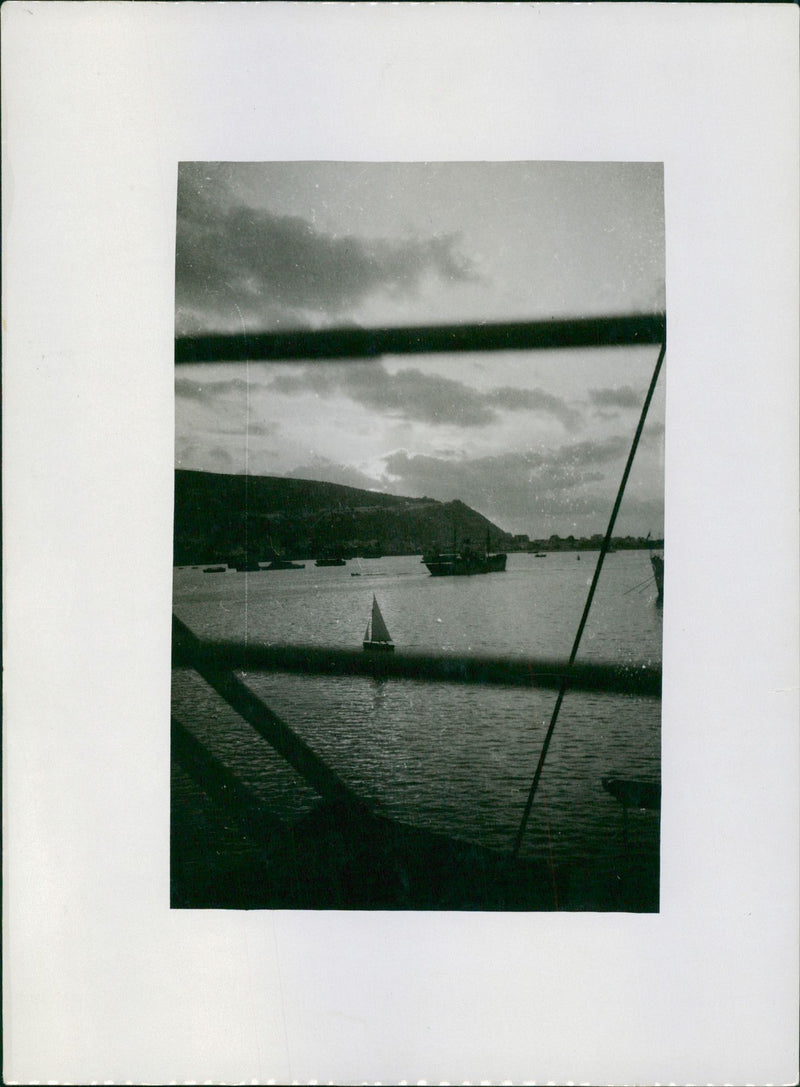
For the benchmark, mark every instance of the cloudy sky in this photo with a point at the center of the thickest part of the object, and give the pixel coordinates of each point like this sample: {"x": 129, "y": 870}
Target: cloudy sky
{"x": 534, "y": 440}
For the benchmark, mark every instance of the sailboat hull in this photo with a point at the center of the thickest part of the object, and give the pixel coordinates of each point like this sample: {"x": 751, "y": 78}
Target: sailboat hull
{"x": 378, "y": 647}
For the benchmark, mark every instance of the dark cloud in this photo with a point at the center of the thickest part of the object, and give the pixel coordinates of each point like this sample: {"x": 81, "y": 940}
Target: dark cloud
{"x": 253, "y": 430}
{"x": 653, "y": 431}
{"x": 206, "y": 456}
{"x": 580, "y": 455}
{"x": 412, "y": 395}
{"x": 226, "y": 402}
{"x": 238, "y": 265}
{"x": 553, "y": 470}
{"x": 576, "y": 480}
{"x": 621, "y": 397}
{"x": 537, "y": 400}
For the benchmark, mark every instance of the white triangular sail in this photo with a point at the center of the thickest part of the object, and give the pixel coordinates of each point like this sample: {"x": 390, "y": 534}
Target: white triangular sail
{"x": 380, "y": 632}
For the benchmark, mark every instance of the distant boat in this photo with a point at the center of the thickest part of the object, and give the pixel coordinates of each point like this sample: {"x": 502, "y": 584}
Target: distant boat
{"x": 214, "y": 569}
{"x": 657, "y": 562}
{"x": 332, "y": 561}
{"x": 465, "y": 562}
{"x": 376, "y": 636}
{"x": 277, "y": 560}
{"x": 540, "y": 555}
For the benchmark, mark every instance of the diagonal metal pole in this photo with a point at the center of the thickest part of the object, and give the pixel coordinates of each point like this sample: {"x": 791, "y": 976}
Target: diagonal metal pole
{"x": 603, "y": 550}
{"x": 267, "y": 724}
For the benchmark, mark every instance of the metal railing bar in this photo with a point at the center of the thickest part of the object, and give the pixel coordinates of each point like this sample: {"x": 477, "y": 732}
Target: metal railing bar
{"x": 640, "y": 679}
{"x": 624, "y": 330}
{"x": 266, "y": 723}
{"x": 221, "y": 785}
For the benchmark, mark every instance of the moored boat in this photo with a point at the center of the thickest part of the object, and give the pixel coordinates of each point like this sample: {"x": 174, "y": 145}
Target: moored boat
{"x": 459, "y": 563}
{"x": 657, "y": 562}
{"x": 465, "y": 562}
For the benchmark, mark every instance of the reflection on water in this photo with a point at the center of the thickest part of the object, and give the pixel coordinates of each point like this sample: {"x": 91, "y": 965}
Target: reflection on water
{"x": 458, "y": 759}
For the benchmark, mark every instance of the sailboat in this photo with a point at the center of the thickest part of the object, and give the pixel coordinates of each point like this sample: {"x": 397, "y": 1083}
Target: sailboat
{"x": 376, "y": 636}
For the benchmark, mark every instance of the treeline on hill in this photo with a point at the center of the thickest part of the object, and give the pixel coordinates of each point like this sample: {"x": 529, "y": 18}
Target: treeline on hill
{"x": 248, "y": 519}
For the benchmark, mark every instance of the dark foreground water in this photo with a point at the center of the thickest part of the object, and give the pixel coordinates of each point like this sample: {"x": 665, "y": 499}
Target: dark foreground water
{"x": 449, "y": 758}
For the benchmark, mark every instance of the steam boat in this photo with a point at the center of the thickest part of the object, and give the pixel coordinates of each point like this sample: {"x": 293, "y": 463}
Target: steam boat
{"x": 465, "y": 562}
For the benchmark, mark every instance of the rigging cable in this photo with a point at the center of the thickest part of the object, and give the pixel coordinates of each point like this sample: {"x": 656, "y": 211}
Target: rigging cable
{"x": 603, "y": 550}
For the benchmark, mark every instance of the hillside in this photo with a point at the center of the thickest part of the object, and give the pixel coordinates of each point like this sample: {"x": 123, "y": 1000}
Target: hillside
{"x": 233, "y": 518}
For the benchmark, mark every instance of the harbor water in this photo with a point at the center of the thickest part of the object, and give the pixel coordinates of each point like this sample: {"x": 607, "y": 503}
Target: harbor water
{"x": 456, "y": 759}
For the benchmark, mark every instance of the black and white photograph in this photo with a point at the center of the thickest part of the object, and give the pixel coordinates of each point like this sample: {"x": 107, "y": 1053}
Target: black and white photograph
{"x": 400, "y": 537}
{"x": 418, "y": 540}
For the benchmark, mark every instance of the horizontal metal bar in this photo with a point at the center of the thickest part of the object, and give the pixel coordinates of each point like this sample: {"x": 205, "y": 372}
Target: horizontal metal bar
{"x": 337, "y": 343}
{"x": 631, "y": 679}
